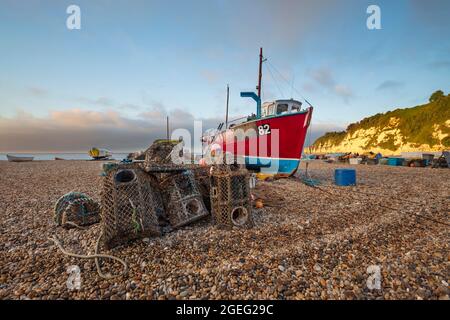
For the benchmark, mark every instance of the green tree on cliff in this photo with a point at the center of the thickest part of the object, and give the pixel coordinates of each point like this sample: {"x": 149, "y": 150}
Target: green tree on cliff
{"x": 436, "y": 95}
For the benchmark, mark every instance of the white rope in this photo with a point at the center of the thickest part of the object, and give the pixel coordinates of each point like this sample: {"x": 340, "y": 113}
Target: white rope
{"x": 94, "y": 256}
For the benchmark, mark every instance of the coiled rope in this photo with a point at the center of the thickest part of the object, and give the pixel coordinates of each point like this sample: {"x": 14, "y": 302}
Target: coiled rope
{"x": 96, "y": 256}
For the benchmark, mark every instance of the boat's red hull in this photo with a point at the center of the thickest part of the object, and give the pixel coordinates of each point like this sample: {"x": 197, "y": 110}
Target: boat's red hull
{"x": 274, "y": 144}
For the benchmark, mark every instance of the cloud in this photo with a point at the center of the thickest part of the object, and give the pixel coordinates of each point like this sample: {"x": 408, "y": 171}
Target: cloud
{"x": 210, "y": 76}
{"x": 282, "y": 23}
{"x": 101, "y": 101}
{"x": 129, "y": 106}
{"x": 390, "y": 85}
{"x": 432, "y": 13}
{"x": 325, "y": 78}
{"x": 78, "y": 130}
{"x": 318, "y": 129}
{"x": 308, "y": 87}
{"x": 157, "y": 110}
{"x": 344, "y": 92}
{"x": 441, "y": 64}
{"x": 37, "y": 91}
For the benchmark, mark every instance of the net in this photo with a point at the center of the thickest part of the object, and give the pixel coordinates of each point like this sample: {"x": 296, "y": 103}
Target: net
{"x": 201, "y": 175}
{"x": 159, "y": 152}
{"x": 230, "y": 196}
{"x": 184, "y": 203}
{"x": 131, "y": 205}
{"x": 76, "y": 208}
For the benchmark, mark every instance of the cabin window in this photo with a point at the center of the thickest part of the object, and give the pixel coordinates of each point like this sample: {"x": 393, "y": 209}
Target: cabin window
{"x": 282, "y": 108}
{"x": 268, "y": 110}
{"x": 271, "y": 110}
{"x": 295, "y": 108}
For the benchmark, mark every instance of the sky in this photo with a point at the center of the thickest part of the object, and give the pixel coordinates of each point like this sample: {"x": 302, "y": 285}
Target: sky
{"x": 132, "y": 63}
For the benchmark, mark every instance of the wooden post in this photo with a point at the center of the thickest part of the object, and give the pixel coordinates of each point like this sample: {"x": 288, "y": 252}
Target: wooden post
{"x": 167, "y": 127}
{"x": 226, "y": 113}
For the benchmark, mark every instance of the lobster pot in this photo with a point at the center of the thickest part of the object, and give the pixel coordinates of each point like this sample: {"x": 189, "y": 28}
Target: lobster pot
{"x": 201, "y": 175}
{"x": 184, "y": 203}
{"x": 131, "y": 205}
{"x": 230, "y": 197}
{"x": 159, "y": 153}
{"x": 76, "y": 209}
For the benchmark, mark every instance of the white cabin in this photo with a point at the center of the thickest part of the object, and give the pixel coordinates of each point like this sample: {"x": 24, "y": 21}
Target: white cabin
{"x": 279, "y": 107}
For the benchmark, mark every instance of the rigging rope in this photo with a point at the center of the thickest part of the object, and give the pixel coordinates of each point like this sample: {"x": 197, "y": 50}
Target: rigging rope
{"x": 275, "y": 80}
{"x": 287, "y": 81}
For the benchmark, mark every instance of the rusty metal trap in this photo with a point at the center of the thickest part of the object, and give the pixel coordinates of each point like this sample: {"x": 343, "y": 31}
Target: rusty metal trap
{"x": 131, "y": 205}
{"x": 76, "y": 209}
{"x": 184, "y": 202}
{"x": 230, "y": 196}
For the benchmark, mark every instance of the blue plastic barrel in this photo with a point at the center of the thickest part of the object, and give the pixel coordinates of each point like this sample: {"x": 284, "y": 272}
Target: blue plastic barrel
{"x": 345, "y": 177}
{"x": 395, "y": 161}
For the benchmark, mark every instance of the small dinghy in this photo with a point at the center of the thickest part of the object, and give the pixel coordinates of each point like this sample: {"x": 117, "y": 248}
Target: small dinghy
{"x": 18, "y": 159}
{"x": 99, "y": 154}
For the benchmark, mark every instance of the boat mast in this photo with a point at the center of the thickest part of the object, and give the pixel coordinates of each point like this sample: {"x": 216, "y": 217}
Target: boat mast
{"x": 226, "y": 114}
{"x": 167, "y": 128}
{"x": 258, "y": 87}
{"x": 254, "y": 96}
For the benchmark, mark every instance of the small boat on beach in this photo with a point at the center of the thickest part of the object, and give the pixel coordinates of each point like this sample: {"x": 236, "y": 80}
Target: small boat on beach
{"x": 99, "y": 154}
{"x": 446, "y": 154}
{"x": 18, "y": 159}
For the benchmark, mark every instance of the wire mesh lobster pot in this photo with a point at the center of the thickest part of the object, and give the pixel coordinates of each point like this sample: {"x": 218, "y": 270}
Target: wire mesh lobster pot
{"x": 131, "y": 205}
{"x": 159, "y": 153}
{"x": 230, "y": 196}
{"x": 184, "y": 202}
{"x": 76, "y": 209}
{"x": 201, "y": 175}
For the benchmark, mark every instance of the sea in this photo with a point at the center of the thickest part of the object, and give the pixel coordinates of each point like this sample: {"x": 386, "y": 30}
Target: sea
{"x": 66, "y": 156}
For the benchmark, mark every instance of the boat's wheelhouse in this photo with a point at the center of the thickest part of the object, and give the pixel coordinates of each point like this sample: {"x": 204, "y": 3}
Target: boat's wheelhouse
{"x": 280, "y": 107}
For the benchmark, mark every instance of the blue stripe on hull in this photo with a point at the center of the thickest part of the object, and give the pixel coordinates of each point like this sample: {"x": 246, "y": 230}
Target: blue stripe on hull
{"x": 272, "y": 166}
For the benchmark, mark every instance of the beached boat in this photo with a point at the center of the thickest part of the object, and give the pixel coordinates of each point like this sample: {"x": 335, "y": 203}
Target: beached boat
{"x": 98, "y": 154}
{"x": 446, "y": 154}
{"x": 18, "y": 159}
{"x": 271, "y": 142}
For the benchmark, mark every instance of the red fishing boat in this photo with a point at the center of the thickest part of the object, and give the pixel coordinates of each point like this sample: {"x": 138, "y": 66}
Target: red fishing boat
{"x": 270, "y": 141}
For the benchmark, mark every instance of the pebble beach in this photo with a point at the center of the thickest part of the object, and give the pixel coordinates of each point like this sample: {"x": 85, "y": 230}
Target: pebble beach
{"x": 307, "y": 242}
